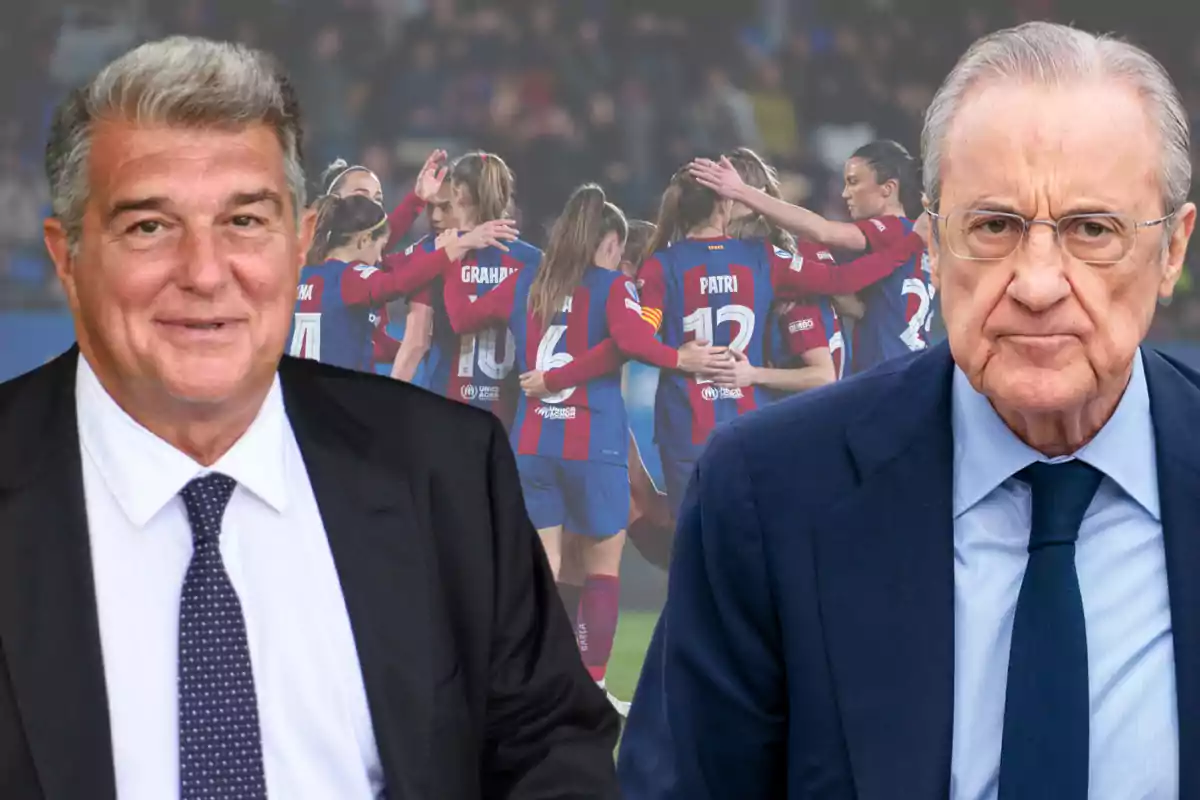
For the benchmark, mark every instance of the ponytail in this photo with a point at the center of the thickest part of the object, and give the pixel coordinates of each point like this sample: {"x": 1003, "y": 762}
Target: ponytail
{"x": 574, "y": 240}
{"x": 640, "y": 234}
{"x": 685, "y": 205}
{"x": 323, "y": 206}
{"x": 340, "y": 219}
{"x": 488, "y": 182}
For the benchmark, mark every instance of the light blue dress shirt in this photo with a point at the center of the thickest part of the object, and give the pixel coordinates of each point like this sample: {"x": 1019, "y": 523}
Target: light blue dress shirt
{"x": 1122, "y": 570}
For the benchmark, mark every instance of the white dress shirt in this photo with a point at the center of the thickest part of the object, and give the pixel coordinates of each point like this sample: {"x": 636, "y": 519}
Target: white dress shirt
{"x": 316, "y": 728}
{"x": 1121, "y": 563}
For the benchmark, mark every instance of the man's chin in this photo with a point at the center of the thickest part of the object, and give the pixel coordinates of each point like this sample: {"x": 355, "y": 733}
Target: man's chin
{"x": 210, "y": 380}
{"x": 1039, "y": 390}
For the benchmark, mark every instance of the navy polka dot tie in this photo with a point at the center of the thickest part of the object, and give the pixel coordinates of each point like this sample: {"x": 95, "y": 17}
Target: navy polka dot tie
{"x": 220, "y": 748}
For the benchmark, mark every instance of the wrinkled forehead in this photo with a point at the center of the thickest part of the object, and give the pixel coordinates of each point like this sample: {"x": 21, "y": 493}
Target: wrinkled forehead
{"x": 1047, "y": 148}
{"x": 185, "y": 167}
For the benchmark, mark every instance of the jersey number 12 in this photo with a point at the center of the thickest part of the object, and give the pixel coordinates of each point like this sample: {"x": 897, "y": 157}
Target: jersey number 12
{"x": 699, "y": 323}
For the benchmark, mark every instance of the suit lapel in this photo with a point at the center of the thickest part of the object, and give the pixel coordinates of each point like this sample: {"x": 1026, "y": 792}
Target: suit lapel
{"x": 885, "y": 576}
{"x": 379, "y": 533}
{"x": 1175, "y": 407}
{"x": 49, "y": 630}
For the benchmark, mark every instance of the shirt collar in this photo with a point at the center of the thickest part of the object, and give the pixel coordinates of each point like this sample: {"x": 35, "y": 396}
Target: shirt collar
{"x": 987, "y": 452}
{"x": 144, "y": 473}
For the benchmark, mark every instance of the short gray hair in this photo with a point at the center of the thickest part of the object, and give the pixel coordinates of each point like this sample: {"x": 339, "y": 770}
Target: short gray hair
{"x": 178, "y": 81}
{"x": 1050, "y": 54}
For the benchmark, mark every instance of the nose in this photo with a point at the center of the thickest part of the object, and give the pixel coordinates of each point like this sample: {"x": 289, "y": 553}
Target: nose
{"x": 1039, "y": 280}
{"x": 845, "y": 192}
{"x": 202, "y": 268}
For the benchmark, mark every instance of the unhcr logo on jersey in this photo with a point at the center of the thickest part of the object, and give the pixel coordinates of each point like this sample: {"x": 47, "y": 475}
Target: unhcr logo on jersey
{"x": 713, "y": 393}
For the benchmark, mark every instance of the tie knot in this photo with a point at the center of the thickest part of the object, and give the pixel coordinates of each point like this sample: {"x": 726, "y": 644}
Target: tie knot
{"x": 1061, "y": 493}
{"x": 205, "y": 499}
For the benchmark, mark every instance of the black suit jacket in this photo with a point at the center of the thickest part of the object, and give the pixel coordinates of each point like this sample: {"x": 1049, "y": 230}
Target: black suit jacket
{"x": 473, "y": 680}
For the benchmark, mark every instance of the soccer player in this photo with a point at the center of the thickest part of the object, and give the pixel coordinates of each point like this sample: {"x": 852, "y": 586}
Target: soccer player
{"x": 800, "y": 356}
{"x": 344, "y": 283}
{"x": 881, "y": 188}
{"x": 572, "y": 446}
{"x": 701, "y": 283}
{"x": 408, "y": 361}
{"x": 477, "y": 368}
{"x": 398, "y": 346}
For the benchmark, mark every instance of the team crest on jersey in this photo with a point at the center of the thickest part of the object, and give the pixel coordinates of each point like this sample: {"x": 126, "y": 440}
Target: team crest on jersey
{"x": 797, "y": 262}
{"x": 825, "y": 255}
{"x": 365, "y": 270}
{"x": 879, "y": 225}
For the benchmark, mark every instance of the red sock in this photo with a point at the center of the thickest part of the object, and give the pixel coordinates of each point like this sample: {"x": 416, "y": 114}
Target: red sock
{"x": 598, "y": 612}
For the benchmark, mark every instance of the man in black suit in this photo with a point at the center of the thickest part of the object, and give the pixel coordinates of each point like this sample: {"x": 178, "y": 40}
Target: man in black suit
{"x": 224, "y": 573}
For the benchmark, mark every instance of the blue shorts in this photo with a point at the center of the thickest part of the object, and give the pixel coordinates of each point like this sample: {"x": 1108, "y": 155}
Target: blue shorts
{"x": 589, "y": 498}
{"x": 676, "y": 475}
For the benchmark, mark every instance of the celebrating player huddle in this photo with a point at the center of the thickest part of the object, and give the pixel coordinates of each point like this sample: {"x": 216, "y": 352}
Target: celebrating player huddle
{"x": 737, "y": 297}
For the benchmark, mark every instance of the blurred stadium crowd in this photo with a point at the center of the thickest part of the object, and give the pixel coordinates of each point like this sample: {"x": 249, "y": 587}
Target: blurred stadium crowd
{"x": 617, "y": 91}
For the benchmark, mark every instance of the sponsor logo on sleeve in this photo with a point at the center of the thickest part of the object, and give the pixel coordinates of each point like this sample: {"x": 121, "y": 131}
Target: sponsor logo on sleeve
{"x": 825, "y": 255}
{"x": 797, "y": 263}
{"x": 411, "y": 248}
{"x": 633, "y": 291}
{"x": 800, "y": 325}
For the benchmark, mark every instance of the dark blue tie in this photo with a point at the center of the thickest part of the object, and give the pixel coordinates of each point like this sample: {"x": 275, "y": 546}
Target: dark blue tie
{"x": 1044, "y": 754}
{"x": 220, "y": 747}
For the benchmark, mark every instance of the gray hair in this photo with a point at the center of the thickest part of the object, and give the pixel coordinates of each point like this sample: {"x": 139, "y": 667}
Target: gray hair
{"x": 178, "y": 81}
{"x": 1050, "y": 54}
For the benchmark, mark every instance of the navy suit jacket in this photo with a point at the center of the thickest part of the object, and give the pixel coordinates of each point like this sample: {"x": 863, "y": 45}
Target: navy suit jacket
{"x": 807, "y": 646}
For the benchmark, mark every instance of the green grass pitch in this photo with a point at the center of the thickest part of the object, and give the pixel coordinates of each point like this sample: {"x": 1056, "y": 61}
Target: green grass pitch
{"x": 634, "y": 629}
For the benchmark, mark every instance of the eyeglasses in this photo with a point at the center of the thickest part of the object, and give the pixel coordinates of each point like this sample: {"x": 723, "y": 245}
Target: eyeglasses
{"x": 1099, "y": 238}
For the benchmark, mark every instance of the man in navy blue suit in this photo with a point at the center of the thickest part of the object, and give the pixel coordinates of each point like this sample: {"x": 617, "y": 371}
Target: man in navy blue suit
{"x": 970, "y": 573}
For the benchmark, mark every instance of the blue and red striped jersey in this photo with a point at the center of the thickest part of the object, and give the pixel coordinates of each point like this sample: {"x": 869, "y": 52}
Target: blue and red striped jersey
{"x": 586, "y": 422}
{"x": 332, "y": 321}
{"x": 898, "y": 309}
{"x": 477, "y": 368}
{"x": 718, "y": 290}
{"x": 383, "y": 344}
{"x": 325, "y": 327}
{"x": 808, "y": 325}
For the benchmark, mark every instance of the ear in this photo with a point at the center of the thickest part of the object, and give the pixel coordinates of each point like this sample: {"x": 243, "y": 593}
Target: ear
{"x": 1176, "y": 250}
{"x": 59, "y": 248}
{"x": 890, "y": 187}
